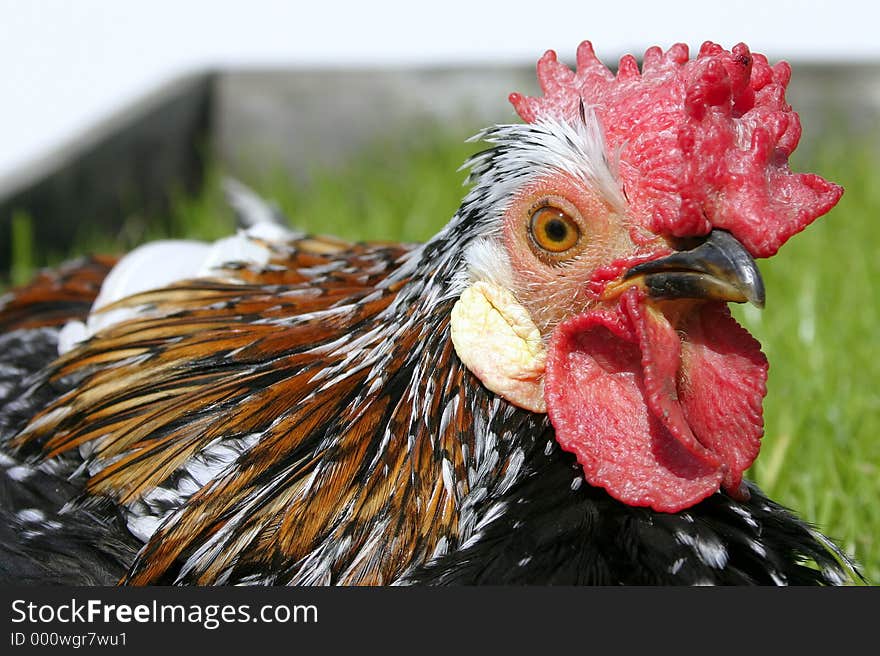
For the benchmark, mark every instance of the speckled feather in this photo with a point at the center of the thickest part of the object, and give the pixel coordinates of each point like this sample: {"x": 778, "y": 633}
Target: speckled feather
{"x": 308, "y": 422}
{"x": 360, "y": 451}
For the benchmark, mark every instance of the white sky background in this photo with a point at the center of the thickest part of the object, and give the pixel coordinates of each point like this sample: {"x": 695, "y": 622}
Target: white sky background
{"x": 65, "y": 64}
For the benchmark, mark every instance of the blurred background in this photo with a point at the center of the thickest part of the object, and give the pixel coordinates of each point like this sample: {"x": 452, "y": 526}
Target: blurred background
{"x": 112, "y": 110}
{"x": 119, "y": 121}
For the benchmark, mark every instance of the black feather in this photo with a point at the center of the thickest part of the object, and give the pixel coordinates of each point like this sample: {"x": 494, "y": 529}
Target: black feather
{"x": 555, "y": 531}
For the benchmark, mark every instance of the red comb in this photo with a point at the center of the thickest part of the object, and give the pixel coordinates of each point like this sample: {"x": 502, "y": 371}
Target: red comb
{"x": 703, "y": 143}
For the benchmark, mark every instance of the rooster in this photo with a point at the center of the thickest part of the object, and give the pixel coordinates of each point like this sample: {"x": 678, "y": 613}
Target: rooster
{"x": 552, "y": 390}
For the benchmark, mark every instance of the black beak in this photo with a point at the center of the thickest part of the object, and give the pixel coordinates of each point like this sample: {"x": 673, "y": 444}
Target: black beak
{"x": 719, "y": 269}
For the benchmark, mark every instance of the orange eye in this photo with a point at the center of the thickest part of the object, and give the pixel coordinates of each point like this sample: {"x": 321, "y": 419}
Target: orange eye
{"x": 553, "y": 230}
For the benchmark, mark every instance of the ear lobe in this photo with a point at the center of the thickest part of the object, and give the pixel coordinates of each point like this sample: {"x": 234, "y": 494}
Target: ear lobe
{"x": 496, "y": 339}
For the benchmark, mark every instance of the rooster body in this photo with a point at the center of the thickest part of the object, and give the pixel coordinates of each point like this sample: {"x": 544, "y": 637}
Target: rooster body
{"x": 302, "y": 410}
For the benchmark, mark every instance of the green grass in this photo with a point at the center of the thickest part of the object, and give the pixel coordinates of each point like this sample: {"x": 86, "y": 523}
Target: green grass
{"x": 821, "y": 453}
{"x": 23, "y": 249}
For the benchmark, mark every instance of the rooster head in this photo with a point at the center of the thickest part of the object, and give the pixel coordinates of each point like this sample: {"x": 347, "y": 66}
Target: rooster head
{"x": 619, "y": 221}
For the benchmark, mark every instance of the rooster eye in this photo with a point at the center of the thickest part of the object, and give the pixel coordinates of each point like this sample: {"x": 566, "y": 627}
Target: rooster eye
{"x": 553, "y": 230}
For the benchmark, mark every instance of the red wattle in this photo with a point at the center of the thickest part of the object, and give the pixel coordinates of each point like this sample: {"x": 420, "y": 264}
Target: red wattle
{"x": 656, "y": 419}
{"x": 661, "y": 358}
{"x": 723, "y": 388}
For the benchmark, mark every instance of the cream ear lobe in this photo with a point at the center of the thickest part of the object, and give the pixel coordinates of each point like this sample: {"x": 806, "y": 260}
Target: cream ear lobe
{"x": 496, "y": 339}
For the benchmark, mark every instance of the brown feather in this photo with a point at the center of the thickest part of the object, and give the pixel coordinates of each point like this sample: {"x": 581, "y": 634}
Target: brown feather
{"x": 214, "y": 359}
{"x": 55, "y": 296}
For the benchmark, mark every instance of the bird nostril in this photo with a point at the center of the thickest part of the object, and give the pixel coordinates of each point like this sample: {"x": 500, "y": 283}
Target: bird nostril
{"x": 686, "y": 243}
